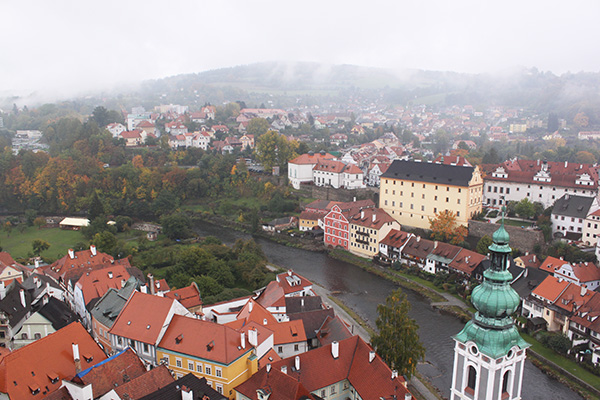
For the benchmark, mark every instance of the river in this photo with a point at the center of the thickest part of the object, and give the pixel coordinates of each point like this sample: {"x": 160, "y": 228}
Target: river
{"x": 363, "y": 291}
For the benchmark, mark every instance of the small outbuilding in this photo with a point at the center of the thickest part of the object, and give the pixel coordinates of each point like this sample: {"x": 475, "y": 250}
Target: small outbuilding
{"x": 74, "y": 224}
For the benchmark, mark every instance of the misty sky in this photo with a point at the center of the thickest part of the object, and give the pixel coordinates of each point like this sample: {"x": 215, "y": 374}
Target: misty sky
{"x": 66, "y": 47}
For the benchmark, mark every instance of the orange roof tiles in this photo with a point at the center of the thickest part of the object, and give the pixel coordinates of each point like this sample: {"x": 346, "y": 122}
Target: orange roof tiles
{"x": 188, "y": 296}
{"x": 151, "y": 381}
{"x": 373, "y": 218}
{"x": 68, "y": 268}
{"x": 550, "y": 264}
{"x": 550, "y": 289}
{"x": 96, "y": 283}
{"x": 203, "y": 339}
{"x": 311, "y": 159}
{"x": 466, "y": 260}
{"x": 44, "y": 363}
{"x": 272, "y": 296}
{"x": 142, "y": 318}
{"x": 276, "y": 384}
{"x": 319, "y": 369}
{"x": 395, "y": 238}
{"x": 586, "y": 272}
{"x": 291, "y": 282}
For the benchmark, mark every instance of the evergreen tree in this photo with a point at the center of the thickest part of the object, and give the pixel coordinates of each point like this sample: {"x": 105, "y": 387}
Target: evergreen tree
{"x": 96, "y": 207}
{"x": 398, "y": 340}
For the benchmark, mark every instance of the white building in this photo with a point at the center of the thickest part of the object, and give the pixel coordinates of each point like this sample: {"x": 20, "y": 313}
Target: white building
{"x": 539, "y": 181}
{"x": 300, "y": 169}
{"x": 569, "y": 215}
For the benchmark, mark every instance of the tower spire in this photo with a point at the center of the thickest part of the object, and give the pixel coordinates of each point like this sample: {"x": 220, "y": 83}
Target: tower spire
{"x": 491, "y": 334}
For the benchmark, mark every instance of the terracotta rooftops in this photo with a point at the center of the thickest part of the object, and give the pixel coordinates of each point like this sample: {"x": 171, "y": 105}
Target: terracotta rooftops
{"x": 40, "y": 366}
{"x": 319, "y": 368}
{"x": 551, "y": 264}
{"x": 188, "y": 296}
{"x": 203, "y": 339}
{"x": 142, "y": 318}
{"x": 395, "y": 238}
{"x": 311, "y": 158}
{"x": 291, "y": 282}
{"x": 373, "y": 218}
{"x": 96, "y": 283}
{"x": 550, "y": 289}
{"x": 274, "y": 383}
{"x": 146, "y": 384}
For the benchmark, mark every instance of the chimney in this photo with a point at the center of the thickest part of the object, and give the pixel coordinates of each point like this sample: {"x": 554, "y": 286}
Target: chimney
{"x": 71, "y": 254}
{"x": 93, "y": 250}
{"x": 566, "y": 164}
{"x": 250, "y": 304}
{"x": 253, "y": 337}
{"x": 583, "y": 291}
{"x": 268, "y": 368}
{"x": 435, "y": 244}
{"x": 407, "y": 396}
{"x": 144, "y": 289}
{"x": 76, "y": 358}
{"x": 302, "y": 301}
{"x": 297, "y": 363}
{"x": 284, "y": 369}
{"x": 264, "y": 321}
{"x": 290, "y": 272}
{"x": 394, "y": 374}
{"x": 2, "y": 290}
{"x": 374, "y": 217}
{"x": 418, "y": 239}
{"x": 243, "y": 340}
{"x": 22, "y": 293}
{"x": 37, "y": 263}
{"x": 371, "y": 356}
{"x": 152, "y": 288}
{"x": 335, "y": 349}
{"x": 186, "y": 393}
{"x": 110, "y": 275}
{"x": 362, "y": 214}
{"x": 354, "y": 199}
{"x": 526, "y": 253}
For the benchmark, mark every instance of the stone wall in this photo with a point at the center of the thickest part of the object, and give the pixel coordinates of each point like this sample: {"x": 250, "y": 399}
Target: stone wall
{"x": 345, "y": 195}
{"x": 522, "y": 239}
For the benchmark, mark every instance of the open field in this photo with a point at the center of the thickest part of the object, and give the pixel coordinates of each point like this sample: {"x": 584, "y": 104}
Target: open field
{"x": 18, "y": 244}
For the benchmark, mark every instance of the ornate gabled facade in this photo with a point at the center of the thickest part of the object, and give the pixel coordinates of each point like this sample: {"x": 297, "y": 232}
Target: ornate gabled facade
{"x": 489, "y": 353}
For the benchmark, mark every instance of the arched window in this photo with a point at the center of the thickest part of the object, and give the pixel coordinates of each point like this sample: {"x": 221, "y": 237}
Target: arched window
{"x": 472, "y": 380}
{"x": 505, "y": 380}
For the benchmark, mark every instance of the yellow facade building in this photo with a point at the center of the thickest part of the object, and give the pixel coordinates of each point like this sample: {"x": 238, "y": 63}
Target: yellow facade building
{"x": 216, "y": 352}
{"x": 368, "y": 227}
{"x": 412, "y": 192}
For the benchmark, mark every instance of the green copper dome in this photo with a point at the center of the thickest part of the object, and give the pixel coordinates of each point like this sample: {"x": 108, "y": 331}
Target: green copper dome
{"x": 492, "y": 328}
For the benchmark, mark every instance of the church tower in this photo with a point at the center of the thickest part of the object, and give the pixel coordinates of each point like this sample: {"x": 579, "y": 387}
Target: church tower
{"x": 489, "y": 353}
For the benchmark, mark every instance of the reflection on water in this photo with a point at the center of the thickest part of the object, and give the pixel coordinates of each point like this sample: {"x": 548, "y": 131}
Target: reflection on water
{"x": 363, "y": 291}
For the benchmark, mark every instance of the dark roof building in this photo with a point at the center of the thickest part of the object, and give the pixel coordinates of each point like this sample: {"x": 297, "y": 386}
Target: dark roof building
{"x": 195, "y": 388}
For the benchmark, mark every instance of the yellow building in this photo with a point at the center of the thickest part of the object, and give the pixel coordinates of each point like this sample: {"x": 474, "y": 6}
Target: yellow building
{"x": 412, "y": 192}
{"x": 368, "y": 227}
{"x": 216, "y": 352}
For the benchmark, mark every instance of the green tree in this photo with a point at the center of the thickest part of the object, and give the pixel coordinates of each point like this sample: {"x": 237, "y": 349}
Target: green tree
{"x": 96, "y": 208}
{"x": 165, "y": 202}
{"x": 39, "y": 245}
{"x": 105, "y": 241}
{"x": 175, "y": 226}
{"x": 100, "y": 116}
{"x": 257, "y": 127}
{"x": 273, "y": 149}
{"x": 39, "y": 222}
{"x": 525, "y": 208}
{"x": 30, "y": 216}
{"x": 397, "y": 341}
{"x": 483, "y": 244}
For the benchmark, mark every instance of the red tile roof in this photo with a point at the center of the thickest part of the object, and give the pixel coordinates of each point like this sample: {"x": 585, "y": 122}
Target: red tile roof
{"x": 466, "y": 260}
{"x": 336, "y": 167}
{"x": 67, "y": 268}
{"x": 288, "y": 278}
{"x": 188, "y": 296}
{"x": 96, "y": 283}
{"x": 151, "y": 381}
{"x": 278, "y": 385}
{"x": 142, "y": 318}
{"x": 531, "y": 261}
{"x": 395, "y": 238}
{"x": 203, "y": 339}
{"x": 269, "y": 357}
{"x": 311, "y": 159}
{"x": 272, "y": 296}
{"x": 550, "y": 289}
{"x": 116, "y": 370}
{"x": 365, "y": 216}
{"x": 47, "y": 360}
{"x": 371, "y": 380}
{"x": 551, "y": 264}
{"x": 586, "y": 272}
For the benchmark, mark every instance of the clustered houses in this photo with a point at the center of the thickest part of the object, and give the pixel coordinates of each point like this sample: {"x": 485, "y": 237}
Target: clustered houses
{"x": 300, "y": 169}
{"x": 539, "y": 181}
{"x": 413, "y": 192}
{"x": 337, "y": 175}
{"x": 569, "y": 217}
{"x": 431, "y": 256}
{"x": 156, "y": 334}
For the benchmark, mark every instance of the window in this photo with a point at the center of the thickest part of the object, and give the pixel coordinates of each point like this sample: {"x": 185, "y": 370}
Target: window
{"x": 198, "y": 367}
{"x": 178, "y": 362}
{"x": 147, "y": 349}
{"x": 422, "y": 208}
{"x": 207, "y": 370}
{"x": 332, "y": 391}
{"x": 447, "y": 199}
{"x": 280, "y": 349}
{"x": 296, "y": 347}
{"x": 24, "y": 336}
{"x": 190, "y": 365}
{"x": 218, "y": 372}
{"x": 505, "y": 380}
{"x": 219, "y": 388}
{"x": 472, "y": 380}
{"x": 37, "y": 336}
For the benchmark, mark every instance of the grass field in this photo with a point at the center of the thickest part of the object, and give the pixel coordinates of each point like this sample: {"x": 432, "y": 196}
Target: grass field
{"x": 18, "y": 244}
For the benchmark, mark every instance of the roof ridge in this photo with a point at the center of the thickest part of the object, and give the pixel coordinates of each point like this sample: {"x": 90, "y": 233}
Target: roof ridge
{"x": 353, "y": 355}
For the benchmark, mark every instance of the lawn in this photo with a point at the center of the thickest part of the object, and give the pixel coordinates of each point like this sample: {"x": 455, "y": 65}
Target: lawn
{"x": 565, "y": 363}
{"x": 516, "y": 222}
{"x": 18, "y": 244}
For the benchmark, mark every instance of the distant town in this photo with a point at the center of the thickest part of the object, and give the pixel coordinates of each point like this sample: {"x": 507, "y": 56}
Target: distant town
{"x": 107, "y": 291}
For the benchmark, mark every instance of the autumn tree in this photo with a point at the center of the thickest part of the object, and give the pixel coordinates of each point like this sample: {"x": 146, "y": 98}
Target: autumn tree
{"x": 39, "y": 245}
{"x": 581, "y": 120}
{"x": 39, "y": 222}
{"x": 397, "y": 340}
{"x": 445, "y": 228}
{"x": 585, "y": 157}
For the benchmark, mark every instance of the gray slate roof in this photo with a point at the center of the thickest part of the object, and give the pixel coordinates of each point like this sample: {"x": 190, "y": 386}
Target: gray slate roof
{"x": 172, "y": 391}
{"x": 58, "y": 313}
{"x": 430, "y": 172}
{"x": 573, "y": 206}
{"x": 108, "y": 308}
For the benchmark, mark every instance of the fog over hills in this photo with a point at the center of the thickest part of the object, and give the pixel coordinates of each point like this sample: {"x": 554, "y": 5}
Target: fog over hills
{"x": 287, "y": 84}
